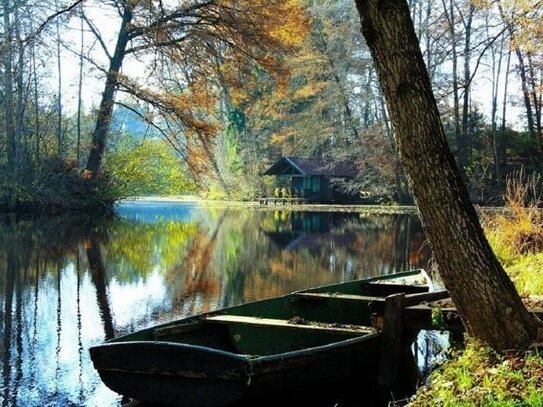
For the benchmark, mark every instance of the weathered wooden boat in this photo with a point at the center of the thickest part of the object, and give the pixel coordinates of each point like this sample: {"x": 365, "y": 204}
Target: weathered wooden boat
{"x": 316, "y": 337}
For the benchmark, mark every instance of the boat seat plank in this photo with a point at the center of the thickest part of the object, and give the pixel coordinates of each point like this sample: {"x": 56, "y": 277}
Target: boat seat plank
{"x": 283, "y": 323}
{"x": 395, "y": 287}
{"x": 411, "y": 299}
{"x": 327, "y": 296}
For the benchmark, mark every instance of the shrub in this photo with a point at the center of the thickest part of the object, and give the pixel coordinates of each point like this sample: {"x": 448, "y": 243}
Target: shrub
{"x": 519, "y": 229}
{"x": 55, "y": 185}
{"x": 148, "y": 168}
{"x": 516, "y": 235}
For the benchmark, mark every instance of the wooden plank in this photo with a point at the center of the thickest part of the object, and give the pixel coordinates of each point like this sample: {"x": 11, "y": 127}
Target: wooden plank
{"x": 410, "y": 299}
{"x": 389, "y": 288}
{"x": 293, "y": 324}
{"x": 336, "y": 296}
{"x": 391, "y": 340}
{"x": 413, "y": 299}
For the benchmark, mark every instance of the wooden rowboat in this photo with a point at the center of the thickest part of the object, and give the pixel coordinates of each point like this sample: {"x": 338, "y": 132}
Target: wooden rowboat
{"x": 316, "y": 337}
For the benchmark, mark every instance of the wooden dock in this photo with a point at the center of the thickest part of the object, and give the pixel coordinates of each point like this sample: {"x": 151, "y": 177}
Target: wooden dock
{"x": 282, "y": 201}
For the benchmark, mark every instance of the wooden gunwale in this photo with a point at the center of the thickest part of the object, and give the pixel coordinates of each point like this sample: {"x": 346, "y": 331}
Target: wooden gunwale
{"x": 283, "y": 323}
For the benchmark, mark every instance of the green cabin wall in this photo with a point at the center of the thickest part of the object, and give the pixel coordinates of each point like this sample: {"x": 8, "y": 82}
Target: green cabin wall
{"x": 312, "y": 187}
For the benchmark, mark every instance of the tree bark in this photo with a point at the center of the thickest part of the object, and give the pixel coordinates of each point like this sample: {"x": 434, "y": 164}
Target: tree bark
{"x": 496, "y": 137}
{"x": 80, "y": 88}
{"x": 483, "y": 293}
{"x": 60, "y": 141}
{"x": 105, "y": 111}
{"x": 502, "y": 150}
{"x": 536, "y": 98}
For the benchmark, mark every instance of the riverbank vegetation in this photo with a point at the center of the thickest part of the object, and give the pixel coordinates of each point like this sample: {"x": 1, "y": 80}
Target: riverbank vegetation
{"x": 477, "y": 375}
{"x": 516, "y": 234}
{"x": 480, "y": 377}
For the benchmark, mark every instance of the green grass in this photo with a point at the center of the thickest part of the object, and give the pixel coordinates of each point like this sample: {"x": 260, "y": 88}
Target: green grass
{"x": 478, "y": 376}
{"x": 525, "y": 270}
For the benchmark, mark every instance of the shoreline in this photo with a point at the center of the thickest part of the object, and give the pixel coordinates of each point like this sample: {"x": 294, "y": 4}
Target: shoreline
{"x": 379, "y": 209}
{"x": 360, "y": 208}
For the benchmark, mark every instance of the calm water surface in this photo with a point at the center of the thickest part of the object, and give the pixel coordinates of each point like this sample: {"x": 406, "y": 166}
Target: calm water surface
{"x": 69, "y": 283}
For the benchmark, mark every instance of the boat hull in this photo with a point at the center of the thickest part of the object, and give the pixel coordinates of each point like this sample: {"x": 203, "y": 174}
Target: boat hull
{"x": 307, "y": 341}
{"x": 180, "y": 374}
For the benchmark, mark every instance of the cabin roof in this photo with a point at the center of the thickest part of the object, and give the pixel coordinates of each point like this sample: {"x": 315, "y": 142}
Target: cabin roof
{"x": 311, "y": 166}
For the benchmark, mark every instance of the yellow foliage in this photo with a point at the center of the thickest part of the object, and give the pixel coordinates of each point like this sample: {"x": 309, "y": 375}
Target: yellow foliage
{"x": 282, "y": 137}
{"x": 292, "y": 30}
{"x": 310, "y": 90}
{"x": 527, "y": 19}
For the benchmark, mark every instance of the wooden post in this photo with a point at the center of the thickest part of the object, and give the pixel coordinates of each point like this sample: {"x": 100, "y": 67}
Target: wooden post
{"x": 391, "y": 340}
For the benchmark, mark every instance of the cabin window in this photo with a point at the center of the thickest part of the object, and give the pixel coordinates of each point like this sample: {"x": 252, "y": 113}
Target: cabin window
{"x": 307, "y": 183}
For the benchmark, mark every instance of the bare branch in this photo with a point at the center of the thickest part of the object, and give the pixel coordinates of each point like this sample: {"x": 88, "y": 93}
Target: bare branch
{"x": 179, "y": 13}
{"x": 97, "y": 34}
{"x": 159, "y": 44}
{"x": 51, "y": 18}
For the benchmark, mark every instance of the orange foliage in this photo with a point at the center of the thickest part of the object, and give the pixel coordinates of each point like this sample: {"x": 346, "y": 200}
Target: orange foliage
{"x": 205, "y": 52}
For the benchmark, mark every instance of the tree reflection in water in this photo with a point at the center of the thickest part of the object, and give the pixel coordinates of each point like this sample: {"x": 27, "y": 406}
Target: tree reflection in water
{"x": 69, "y": 283}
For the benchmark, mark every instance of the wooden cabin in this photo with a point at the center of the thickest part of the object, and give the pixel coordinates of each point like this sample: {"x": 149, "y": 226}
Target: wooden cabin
{"x": 314, "y": 179}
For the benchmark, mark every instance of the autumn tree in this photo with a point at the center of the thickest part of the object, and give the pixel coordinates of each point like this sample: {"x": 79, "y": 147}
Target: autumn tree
{"x": 185, "y": 40}
{"x": 483, "y": 293}
{"x": 328, "y": 105}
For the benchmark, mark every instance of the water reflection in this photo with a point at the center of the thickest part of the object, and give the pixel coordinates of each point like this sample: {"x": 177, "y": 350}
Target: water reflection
{"x": 69, "y": 283}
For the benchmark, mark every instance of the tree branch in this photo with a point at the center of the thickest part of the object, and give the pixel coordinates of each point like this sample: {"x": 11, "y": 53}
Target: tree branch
{"x": 180, "y": 13}
{"x": 155, "y": 45}
{"x": 51, "y": 18}
{"x": 97, "y": 35}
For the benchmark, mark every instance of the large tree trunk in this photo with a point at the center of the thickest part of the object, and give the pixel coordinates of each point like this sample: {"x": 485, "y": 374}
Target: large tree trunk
{"x": 105, "y": 111}
{"x": 486, "y": 298}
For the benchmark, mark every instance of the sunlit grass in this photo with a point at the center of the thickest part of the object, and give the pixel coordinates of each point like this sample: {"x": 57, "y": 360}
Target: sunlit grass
{"x": 481, "y": 377}
{"x": 516, "y": 235}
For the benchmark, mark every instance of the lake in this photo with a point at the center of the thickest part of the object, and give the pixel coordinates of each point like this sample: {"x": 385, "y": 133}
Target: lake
{"x": 67, "y": 283}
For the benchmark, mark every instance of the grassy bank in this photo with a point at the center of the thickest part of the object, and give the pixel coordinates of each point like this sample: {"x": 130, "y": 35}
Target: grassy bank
{"x": 478, "y": 376}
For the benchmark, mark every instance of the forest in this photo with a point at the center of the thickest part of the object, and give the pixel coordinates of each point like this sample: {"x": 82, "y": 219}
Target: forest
{"x": 104, "y": 99}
